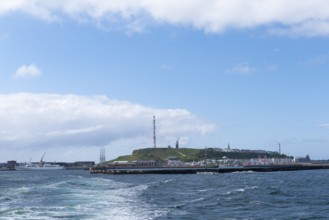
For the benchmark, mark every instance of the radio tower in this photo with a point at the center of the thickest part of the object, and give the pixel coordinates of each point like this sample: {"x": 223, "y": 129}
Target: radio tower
{"x": 154, "y": 133}
{"x": 102, "y": 158}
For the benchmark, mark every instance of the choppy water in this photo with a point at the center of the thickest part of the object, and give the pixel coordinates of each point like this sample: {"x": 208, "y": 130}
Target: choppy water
{"x": 80, "y": 195}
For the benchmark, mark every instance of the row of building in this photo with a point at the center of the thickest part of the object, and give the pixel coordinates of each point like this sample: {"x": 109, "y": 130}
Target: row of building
{"x": 176, "y": 162}
{"x": 235, "y": 150}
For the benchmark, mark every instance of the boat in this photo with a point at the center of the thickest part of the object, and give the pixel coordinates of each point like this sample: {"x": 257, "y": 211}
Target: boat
{"x": 44, "y": 166}
{"x": 40, "y": 166}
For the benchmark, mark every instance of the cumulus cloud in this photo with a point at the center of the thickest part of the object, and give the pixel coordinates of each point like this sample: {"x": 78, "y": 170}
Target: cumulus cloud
{"x": 293, "y": 17}
{"x": 28, "y": 71}
{"x": 310, "y": 28}
{"x": 68, "y": 123}
{"x": 241, "y": 68}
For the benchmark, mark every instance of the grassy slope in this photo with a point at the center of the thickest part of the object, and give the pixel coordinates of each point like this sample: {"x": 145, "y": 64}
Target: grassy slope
{"x": 187, "y": 154}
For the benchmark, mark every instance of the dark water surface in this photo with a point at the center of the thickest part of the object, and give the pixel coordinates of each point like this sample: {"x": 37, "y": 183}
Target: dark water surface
{"x": 79, "y": 195}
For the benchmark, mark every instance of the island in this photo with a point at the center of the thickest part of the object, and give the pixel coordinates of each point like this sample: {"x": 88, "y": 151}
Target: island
{"x": 203, "y": 161}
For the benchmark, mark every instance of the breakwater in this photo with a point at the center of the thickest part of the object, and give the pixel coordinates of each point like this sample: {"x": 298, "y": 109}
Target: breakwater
{"x": 193, "y": 170}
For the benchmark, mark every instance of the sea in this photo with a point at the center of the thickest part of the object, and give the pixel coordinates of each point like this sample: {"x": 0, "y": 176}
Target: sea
{"x": 72, "y": 194}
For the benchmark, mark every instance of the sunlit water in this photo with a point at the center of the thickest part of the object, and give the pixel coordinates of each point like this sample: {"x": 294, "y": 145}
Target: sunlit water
{"x": 79, "y": 195}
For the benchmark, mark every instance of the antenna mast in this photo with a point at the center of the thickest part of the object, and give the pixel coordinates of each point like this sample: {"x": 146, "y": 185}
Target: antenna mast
{"x": 102, "y": 158}
{"x": 154, "y": 133}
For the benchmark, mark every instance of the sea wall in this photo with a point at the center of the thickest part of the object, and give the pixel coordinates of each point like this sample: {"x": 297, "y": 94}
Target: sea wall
{"x": 194, "y": 170}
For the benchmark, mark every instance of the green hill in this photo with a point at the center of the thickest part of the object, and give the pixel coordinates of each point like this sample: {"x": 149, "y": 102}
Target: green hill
{"x": 192, "y": 154}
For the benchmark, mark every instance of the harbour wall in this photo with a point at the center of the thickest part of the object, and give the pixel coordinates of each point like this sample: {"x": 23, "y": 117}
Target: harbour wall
{"x": 194, "y": 170}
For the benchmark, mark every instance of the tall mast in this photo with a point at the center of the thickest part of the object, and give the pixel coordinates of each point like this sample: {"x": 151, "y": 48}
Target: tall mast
{"x": 102, "y": 158}
{"x": 154, "y": 133}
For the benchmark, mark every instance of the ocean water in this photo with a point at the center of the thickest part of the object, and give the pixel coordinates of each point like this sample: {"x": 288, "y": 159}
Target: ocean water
{"x": 247, "y": 195}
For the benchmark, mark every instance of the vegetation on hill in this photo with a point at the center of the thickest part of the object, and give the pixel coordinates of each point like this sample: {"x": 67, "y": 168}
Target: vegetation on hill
{"x": 191, "y": 154}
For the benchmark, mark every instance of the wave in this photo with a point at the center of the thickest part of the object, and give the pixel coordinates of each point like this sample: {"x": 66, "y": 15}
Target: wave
{"x": 204, "y": 190}
{"x": 187, "y": 202}
{"x": 168, "y": 181}
{"x": 77, "y": 197}
{"x": 249, "y": 171}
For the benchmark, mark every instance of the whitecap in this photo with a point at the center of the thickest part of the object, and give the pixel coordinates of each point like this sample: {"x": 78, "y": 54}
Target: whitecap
{"x": 168, "y": 180}
{"x": 234, "y": 191}
{"x": 83, "y": 197}
{"x": 204, "y": 190}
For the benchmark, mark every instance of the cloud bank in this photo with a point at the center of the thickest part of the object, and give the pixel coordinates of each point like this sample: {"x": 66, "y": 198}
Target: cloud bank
{"x": 280, "y": 17}
{"x": 68, "y": 123}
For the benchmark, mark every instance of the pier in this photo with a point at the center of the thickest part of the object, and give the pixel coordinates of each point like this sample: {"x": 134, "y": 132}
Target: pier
{"x": 193, "y": 170}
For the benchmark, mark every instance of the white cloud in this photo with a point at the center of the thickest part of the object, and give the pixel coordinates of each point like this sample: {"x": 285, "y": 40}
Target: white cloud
{"x": 311, "y": 28}
{"x": 165, "y": 67}
{"x": 241, "y": 68}
{"x": 3, "y": 36}
{"x": 319, "y": 59}
{"x": 272, "y": 67}
{"x": 325, "y": 125}
{"x": 28, "y": 71}
{"x": 293, "y": 17}
{"x": 69, "y": 123}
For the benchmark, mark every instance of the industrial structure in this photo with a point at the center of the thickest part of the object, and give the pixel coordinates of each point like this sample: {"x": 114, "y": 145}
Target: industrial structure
{"x": 102, "y": 157}
{"x": 154, "y": 133}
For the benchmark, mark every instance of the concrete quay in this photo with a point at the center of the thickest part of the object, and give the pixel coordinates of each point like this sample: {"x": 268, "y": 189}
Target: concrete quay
{"x": 193, "y": 170}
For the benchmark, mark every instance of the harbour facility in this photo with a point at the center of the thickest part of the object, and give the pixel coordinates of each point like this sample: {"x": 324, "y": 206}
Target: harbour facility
{"x": 190, "y": 161}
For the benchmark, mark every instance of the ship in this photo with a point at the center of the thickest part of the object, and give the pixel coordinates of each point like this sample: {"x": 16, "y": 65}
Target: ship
{"x": 40, "y": 166}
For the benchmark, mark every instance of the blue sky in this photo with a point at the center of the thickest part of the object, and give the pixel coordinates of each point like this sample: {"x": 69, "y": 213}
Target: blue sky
{"x": 79, "y": 75}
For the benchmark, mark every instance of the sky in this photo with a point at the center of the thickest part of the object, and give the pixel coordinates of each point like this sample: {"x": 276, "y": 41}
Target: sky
{"x": 79, "y": 75}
